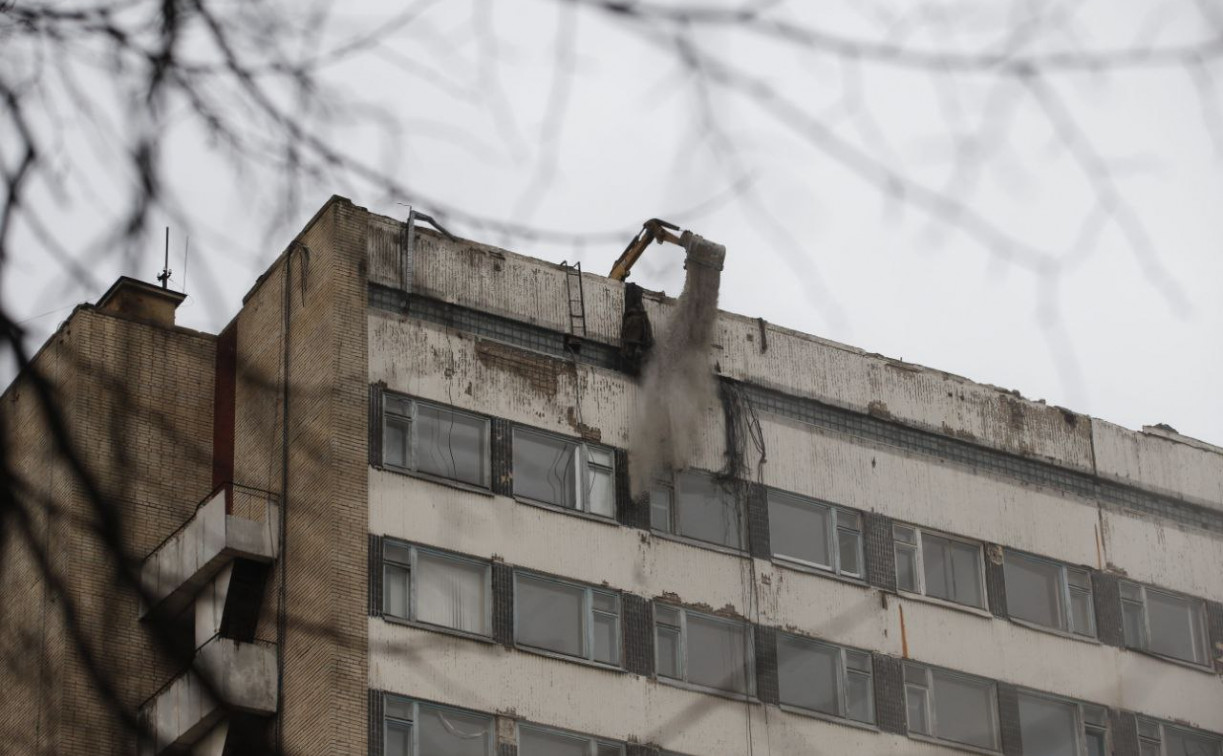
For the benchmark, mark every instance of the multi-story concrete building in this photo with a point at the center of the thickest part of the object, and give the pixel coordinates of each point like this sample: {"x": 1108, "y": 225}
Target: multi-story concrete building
{"x": 410, "y": 502}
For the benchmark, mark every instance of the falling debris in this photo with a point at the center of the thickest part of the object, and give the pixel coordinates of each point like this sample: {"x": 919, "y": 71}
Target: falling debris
{"x": 677, "y": 383}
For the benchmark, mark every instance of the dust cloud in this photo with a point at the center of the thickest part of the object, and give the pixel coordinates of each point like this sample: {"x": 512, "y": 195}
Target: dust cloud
{"x": 677, "y": 381}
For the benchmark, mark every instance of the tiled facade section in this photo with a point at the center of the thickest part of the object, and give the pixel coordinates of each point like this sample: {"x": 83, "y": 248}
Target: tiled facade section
{"x": 1008, "y": 720}
{"x": 503, "y": 604}
{"x": 995, "y": 580}
{"x": 766, "y": 665}
{"x": 638, "y": 635}
{"x": 758, "y": 521}
{"x": 889, "y": 680}
{"x": 1214, "y": 625}
{"x": 500, "y": 438}
{"x": 374, "y": 567}
{"x": 880, "y": 551}
{"x": 1106, "y": 594}
{"x": 1123, "y": 731}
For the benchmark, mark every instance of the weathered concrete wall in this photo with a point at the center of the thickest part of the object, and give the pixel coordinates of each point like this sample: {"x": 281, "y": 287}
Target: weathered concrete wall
{"x": 136, "y": 400}
{"x": 324, "y": 694}
{"x": 1191, "y": 471}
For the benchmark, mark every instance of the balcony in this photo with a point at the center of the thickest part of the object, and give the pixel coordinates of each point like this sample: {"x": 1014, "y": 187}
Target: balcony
{"x": 233, "y": 522}
{"x": 242, "y": 675}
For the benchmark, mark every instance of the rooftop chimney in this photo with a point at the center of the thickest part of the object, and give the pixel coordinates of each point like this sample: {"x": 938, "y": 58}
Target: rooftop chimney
{"x": 141, "y": 301}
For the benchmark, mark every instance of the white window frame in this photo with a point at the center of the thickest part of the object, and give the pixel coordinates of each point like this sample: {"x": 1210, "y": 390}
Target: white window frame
{"x": 931, "y": 709}
{"x": 1152, "y": 732}
{"x": 583, "y": 466}
{"x": 411, "y": 568}
{"x": 388, "y": 720}
{"x": 390, "y": 415}
{"x": 593, "y": 743}
{"x": 1082, "y": 725}
{"x": 1066, "y": 591}
{"x": 834, "y": 535}
{"x": 669, "y": 485}
{"x": 682, "y": 657}
{"x": 919, "y": 576}
{"x": 1198, "y": 628}
{"x": 588, "y": 619}
{"x": 843, "y": 674}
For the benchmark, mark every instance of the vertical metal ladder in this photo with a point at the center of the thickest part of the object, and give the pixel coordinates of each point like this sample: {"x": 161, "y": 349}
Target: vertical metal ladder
{"x": 577, "y": 299}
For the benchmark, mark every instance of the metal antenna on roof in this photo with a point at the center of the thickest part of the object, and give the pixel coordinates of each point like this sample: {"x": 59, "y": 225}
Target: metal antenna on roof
{"x": 164, "y": 275}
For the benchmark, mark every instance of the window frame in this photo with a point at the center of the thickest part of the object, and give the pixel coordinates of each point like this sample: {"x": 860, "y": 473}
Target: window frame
{"x": 919, "y": 575}
{"x": 1082, "y": 725}
{"x": 593, "y": 742}
{"x": 589, "y": 613}
{"x": 391, "y": 416}
{"x": 834, "y": 535}
{"x": 1198, "y": 627}
{"x": 931, "y": 709}
{"x": 843, "y": 674}
{"x": 413, "y": 724}
{"x": 682, "y": 655}
{"x": 1160, "y": 739}
{"x": 1066, "y": 593}
{"x": 412, "y": 571}
{"x": 582, "y": 462}
{"x": 670, "y": 486}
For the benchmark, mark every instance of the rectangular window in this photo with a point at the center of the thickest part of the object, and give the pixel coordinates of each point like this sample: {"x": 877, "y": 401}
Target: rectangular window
{"x": 697, "y": 506}
{"x": 564, "y": 473}
{"x": 1057, "y": 727}
{"x": 1164, "y": 623}
{"x": 566, "y": 618}
{"x": 1160, "y": 739}
{"x": 703, "y": 650}
{"x": 428, "y": 438}
{"x": 815, "y": 534}
{"x": 951, "y": 706}
{"x": 412, "y": 728}
{"x": 435, "y": 588}
{"x": 822, "y": 677}
{"x": 939, "y": 566}
{"x": 538, "y": 741}
{"x": 1049, "y": 594}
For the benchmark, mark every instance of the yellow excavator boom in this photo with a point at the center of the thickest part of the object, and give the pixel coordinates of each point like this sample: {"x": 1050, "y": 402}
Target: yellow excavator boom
{"x": 653, "y": 230}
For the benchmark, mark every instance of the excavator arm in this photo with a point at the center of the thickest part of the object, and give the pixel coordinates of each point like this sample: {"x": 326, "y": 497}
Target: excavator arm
{"x": 653, "y": 230}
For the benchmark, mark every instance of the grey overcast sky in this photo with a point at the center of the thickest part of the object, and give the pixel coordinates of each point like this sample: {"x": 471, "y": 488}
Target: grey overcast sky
{"x": 567, "y": 116}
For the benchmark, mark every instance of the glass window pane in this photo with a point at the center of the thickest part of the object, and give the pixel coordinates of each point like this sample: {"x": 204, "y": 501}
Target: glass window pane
{"x": 1082, "y": 613}
{"x": 800, "y": 530}
{"x": 1047, "y": 727}
{"x": 904, "y": 535}
{"x": 395, "y": 591}
{"x": 1096, "y": 743}
{"x": 660, "y": 509}
{"x": 707, "y": 512}
{"x": 717, "y": 654}
{"x": 952, "y": 570}
{"x": 666, "y": 615}
{"x": 398, "y": 708}
{"x": 607, "y": 638}
{"x": 858, "y": 704}
{"x": 599, "y": 455}
{"x": 1132, "y": 624}
{"x": 1034, "y": 590}
{"x": 396, "y": 552}
{"x": 906, "y": 568}
{"x": 396, "y": 433}
{"x": 666, "y": 641}
{"x": 849, "y": 519}
{"x": 544, "y": 468}
{"x": 964, "y": 710}
{"x": 849, "y": 546}
{"x": 601, "y": 493}
{"x": 1149, "y": 749}
{"x": 1175, "y": 626}
{"x": 398, "y": 739}
{"x": 536, "y": 742}
{"x": 451, "y": 592}
{"x": 807, "y": 674}
{"x": 549, "y": 615}
{"x": 915, "y": 708}
{"x": 1148, "y": 729}
{"x": 609, "y": 749}
{"x": 1178, "y": 742}
{"x": 450, "y": 444}
{"x": 446, "y": 732}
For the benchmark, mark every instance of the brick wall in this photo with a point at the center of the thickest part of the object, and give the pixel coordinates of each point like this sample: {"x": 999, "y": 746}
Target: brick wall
{"x": 324, "y": 561}
{"x": 137, "y": 404}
